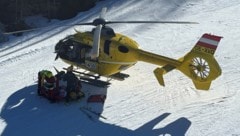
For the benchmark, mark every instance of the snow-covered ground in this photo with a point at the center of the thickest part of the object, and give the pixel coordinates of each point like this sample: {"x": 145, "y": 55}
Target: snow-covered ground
{"x": 138, "y": 105}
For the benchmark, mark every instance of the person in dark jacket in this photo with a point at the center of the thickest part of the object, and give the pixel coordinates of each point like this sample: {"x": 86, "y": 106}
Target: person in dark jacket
{"x": 73, "y": 85}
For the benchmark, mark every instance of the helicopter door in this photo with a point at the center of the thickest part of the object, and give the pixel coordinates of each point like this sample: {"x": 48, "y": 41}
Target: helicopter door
{"x": 75, "y": 52}
{"x": 107, "y": 47}
{"x": 82, "y": 55}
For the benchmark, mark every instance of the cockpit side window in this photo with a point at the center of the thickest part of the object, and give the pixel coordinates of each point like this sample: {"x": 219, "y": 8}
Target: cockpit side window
{"x": 123, "y": 49}
{"x": 107, "y": 47}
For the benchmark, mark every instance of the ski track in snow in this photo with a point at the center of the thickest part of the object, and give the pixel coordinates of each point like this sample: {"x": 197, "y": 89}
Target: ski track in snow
{"x": 138, "y": 105}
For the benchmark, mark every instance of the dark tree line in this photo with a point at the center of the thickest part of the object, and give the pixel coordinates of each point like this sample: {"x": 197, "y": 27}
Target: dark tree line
{"x": 13, "y": 12}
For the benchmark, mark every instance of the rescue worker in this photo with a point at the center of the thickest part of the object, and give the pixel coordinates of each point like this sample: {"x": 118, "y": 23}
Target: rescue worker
{"x": 70, "y": 78}
{"x": 47, "y": 85}
{"x": 73, "y": 85}
{"x": 61, "y": 84}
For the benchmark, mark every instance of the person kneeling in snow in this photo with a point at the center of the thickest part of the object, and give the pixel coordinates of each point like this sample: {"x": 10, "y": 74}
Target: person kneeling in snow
{"x": 47, "y": 86}
{"x": 73, "y": 87}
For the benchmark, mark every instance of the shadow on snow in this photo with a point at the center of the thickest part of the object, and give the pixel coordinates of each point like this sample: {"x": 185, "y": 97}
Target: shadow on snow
{"x": 25, "y": 113}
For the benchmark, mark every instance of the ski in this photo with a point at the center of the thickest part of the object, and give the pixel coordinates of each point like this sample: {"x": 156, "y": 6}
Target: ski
{"x": 93, "y": 112}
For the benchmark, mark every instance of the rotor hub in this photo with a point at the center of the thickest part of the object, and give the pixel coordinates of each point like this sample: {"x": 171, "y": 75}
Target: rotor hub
{"x": 200, "y": 68}
{"x": 99, "y": 21}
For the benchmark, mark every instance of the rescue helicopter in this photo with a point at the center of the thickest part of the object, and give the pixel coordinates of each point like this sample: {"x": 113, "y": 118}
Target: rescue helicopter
{"x": 106, "y": 53}
{"x": 102, "y": 52}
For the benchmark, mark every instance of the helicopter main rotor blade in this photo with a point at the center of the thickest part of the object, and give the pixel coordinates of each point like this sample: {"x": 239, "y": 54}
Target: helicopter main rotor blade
{"x": 22, "y": 31}
{"x": 89, "y": 23}
{"x": 96, "y": 42}
{"x": 103, "y": 12}
{"x": 39, "y": 28}
{"x": 149, "y": 22}
{"x": 101, "y": 21}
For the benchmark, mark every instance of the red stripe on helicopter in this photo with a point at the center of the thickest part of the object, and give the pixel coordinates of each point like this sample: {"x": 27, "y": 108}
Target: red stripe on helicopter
{"x": 212, "y": 37}
{"x": 203, "y": 44}
{"x": 209, "y": 41}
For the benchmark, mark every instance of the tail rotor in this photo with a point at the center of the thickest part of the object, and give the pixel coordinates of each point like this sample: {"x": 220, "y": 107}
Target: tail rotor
{"x": 200, "y": 68}
{"x": 199, "y": 64}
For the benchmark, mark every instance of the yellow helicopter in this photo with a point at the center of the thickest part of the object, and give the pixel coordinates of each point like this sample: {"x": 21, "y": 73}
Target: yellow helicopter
{"x": 106, "y": 53}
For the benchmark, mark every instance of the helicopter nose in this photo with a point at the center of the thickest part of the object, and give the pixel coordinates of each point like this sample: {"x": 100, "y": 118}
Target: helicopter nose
{"x": 57, "y": 50}
{"x": 57, "y": 47}
{"x": 57, "y": 56}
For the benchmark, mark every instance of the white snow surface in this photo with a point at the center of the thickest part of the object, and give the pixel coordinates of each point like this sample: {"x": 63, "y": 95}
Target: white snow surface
{"x": 138, "y": 105}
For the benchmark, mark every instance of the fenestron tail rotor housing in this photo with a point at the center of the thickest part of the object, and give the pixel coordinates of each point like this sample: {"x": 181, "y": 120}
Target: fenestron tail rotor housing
{"x": 200, "y": 68}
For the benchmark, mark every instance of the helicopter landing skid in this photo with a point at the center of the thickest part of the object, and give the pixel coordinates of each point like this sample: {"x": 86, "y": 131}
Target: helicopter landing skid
{"x": 95, "y": 82}
{"x": 91, "y": 79}
{"x": 119, "y": 76}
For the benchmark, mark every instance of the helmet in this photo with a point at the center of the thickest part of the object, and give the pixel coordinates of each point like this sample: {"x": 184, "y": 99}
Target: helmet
{"x": 46, "y": 73}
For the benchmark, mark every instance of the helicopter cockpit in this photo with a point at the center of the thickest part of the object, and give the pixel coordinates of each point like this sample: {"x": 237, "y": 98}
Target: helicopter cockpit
{"x": 71, "y": 50}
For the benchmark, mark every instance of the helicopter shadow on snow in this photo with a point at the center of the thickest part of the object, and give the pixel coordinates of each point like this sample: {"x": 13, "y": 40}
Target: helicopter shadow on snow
{"x": 25, "y": 113}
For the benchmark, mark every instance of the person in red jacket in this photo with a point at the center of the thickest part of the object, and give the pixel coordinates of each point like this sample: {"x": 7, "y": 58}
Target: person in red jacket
{"x": 47, "y": 85}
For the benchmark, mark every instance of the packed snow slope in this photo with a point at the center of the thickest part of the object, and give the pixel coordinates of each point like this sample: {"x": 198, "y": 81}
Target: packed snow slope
{"x": 138, "y": 105}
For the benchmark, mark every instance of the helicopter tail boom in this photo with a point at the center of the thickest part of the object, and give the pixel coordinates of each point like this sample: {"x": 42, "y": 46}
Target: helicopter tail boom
{"x": 199, "y": 64}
